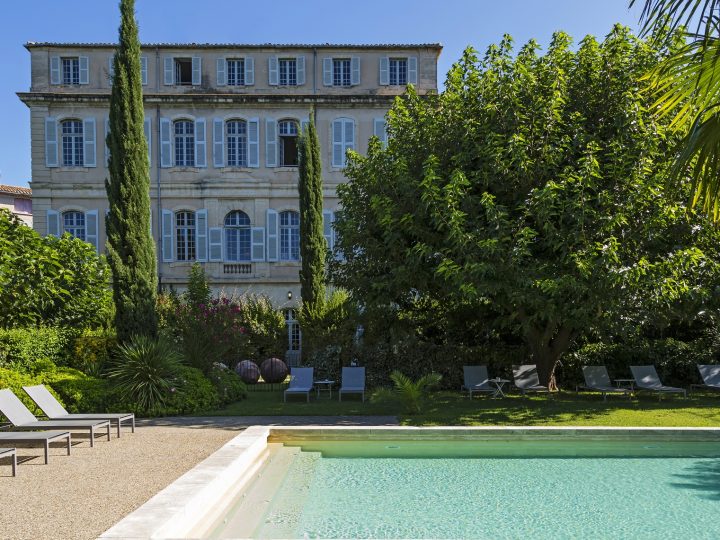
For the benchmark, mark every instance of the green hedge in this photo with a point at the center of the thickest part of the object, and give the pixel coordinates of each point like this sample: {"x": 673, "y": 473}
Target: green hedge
{"x": 228, "y": 385}
{"x": 23, "y": 348}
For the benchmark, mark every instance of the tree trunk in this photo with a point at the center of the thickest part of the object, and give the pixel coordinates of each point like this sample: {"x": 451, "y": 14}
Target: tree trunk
{"x": 547, "y": 345}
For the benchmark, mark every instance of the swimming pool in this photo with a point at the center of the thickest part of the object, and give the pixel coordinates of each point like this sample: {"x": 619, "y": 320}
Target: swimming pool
{"x": 481, "y": 489}
{"x": 486, "y": 482}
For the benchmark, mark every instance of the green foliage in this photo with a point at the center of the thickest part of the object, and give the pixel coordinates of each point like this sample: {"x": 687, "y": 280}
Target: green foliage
{"x": 131, "y": 250}
{"x": 198, "y": 291}
{"x": 191, "y": 392}
{"x": 92, "y": 351}
{"x": 144, "y": 371}
{"x": 533, "y": 193}
{"x": 31, "y": 349}
{"x": 228, "y": 385}
{"x": 330, "y": 324}
{"x": 313, "y": 247}
{"x": 50, "y": 281}
{"x": 411, "y": 394}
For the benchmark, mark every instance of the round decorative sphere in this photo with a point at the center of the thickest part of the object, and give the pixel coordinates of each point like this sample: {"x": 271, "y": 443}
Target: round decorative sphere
{"x": 273, "y": 370}
{"x": 249, "y": 371}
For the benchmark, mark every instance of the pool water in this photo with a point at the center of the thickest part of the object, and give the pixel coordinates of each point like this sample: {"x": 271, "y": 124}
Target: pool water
{"x": 488, "y": 489}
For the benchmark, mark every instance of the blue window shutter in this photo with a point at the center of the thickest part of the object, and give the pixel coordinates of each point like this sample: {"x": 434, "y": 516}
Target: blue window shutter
{"x": 349, "y": 137}
{"x": 304, "y": 125}
{"x": 143, "y": 70}
{"x": 111, "y": 67}
{"x": 300, "y": 63}
{"x": 412, "y": 70}
{"x": 218, "y": 143}
{"x": 337, "y": 143}
{"x": 89, "y": 154}
{"x": 328, "y": 218}
{"x": 167, "y": 236}
{"x": 200, "y": 143}
{"x": 254, "y": 142}
{"x": 379, "y": 130}
{"x": 273, "y": 71}
{"x": 169, "y": 64}
{"x": 165, "y": 142}
{"x": 272, "y": 235}
{"x": 107, "y": 148}
{"x": 221, "y": 70}
{"x": 91, "y": 228}
{"x": 196, "y": 70}
{"x": 84, "y": 63}
{"x": 257, "y": 240}
{"x": 249, "y": 71}
{"x": 215, "y": 244}
{"x": 384, "y": 71}
{"x": 147, "y": 127}
{"x": 53, "y": 223}
{"x": 201, "y": 234}
{"x": 327, "y": 71}
{"x": 355, "y": 70}
{"x": 51, "y": 143}
{"x": 55, "y": 70}
{"x": 270, "y": 142}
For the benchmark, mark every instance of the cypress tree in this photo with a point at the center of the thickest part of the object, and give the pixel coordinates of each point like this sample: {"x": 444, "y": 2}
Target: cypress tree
{"x": 131, "y": 252}
{"x": 313, "y": 246}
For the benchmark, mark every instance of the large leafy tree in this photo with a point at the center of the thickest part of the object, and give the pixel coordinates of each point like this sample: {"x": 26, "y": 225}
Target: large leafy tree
{"x": 313, "y": 246}
{"x": 131, "y": 251}
{"x": 534, "y": 188}
{"x": 686, "y": 86}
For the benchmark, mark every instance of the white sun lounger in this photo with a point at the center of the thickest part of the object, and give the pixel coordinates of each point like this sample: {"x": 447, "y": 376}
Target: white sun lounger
{"x": 12, "y": 454}
{"x": 301, "y": 382}
{"x": 35, "y": 437}
{"x": 475, "y": 379}
{"x": 21, "y": 418}
{"x": 353, "y": 382}
{"x": 646, "y": 378}
{"x": 710, "y": 375}
{"x": 527, "y": 379}
{"x": 598, "y": 380}
{"x": 55, "y": 411}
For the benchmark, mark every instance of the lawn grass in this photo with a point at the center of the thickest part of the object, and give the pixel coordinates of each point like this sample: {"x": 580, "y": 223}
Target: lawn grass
{"x": 453, "y": 409}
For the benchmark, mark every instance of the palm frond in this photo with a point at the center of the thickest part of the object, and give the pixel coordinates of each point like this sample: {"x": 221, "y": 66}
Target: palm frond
{"x": 676, "y": 14}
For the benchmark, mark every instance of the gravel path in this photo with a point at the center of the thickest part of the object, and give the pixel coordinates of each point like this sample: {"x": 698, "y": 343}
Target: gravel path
{"x": 82, "y": 495}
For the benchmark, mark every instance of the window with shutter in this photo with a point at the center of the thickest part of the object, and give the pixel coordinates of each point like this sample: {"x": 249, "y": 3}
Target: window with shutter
{"x": 53, "y": 223}
{"x": 253, "y": 142}
{"x": 184, "y": 143}
{"x": 272, "y": 235}
{"x": 55, "y": 75}
{"x": 238, "y": 244}
{"x": 72, "y": 143}
{"x": 90, "y": 158}
{"x": 185, "y": 236}
{"x": 165, "y": 142}
{"x": 343, "y": 138}
{"x": 84, "y": 63}
{"x": 167, "y": 236}
{"x": 91, "y": 228}
{"x": 289, "y": 236}
{"x": 200, "y": 143}
{"x": 201, "y": 226}
{"x": 51, "y": 143}
{"x": 249, "y": 71}
{"x": 143, "y": 70}
{"x": 270, "y": 143}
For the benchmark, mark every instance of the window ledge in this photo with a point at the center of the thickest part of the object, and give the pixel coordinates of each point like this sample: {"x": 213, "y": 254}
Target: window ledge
{"x": 236, "y": 169}
{"x": 72, "y": 168}
{"x": 287, "y": 168}
{"x": 184, "y": 169}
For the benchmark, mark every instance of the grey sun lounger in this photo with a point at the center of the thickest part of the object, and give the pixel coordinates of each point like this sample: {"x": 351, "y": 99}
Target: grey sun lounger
{"x": 301, "y": 382}
{"x": 21, "y": 418}
{"x": 12, "y": 454}
{"x": 55, "y": 411}
{"x": 527, "y": 379}
{"x": 646, "y": 378}
{"x": 475, "y": 379}
{"x": 353, "y": 382}
{"x": 598, "y": 380}
{"x": 35, "y": 438}
{"x": 710, "y": 375}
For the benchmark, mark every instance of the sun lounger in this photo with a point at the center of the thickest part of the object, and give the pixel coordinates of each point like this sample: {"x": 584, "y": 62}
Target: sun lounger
{"x": 710, "y": 375}
{"x": 353, "y": 381}
{"x": 33, "y": 438}
{"x": 21, "y": 418}
{"x": 301, "y": 382}
{"x": 475, "y": 379}
{"x": 12, "y": 454}
{"x": 598, "y": 380}
{"x": 55, "y": 411}
{"x": 527, "y": 380}
{"x": 646, "y": 378}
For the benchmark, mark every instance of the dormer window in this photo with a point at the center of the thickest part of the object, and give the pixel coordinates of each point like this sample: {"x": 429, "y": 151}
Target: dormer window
{"x": 70, "y": 70}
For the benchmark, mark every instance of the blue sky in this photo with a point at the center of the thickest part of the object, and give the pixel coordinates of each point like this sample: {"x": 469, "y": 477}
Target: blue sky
{"x": 453, "y": 23}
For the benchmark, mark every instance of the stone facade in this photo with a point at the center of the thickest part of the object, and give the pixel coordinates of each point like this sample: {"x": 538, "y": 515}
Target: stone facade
{"x": 219, "y": 121}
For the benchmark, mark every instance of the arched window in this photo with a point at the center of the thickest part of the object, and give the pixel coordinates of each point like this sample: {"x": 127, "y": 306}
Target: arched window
{"x": 237, "y": 236}
{"x": 293, "y": 326}
{"x": 72, "y": 143}
{"x": 185, "y": 236}
{"x": 289, "y": 236}
{"x": 288, "y": 141}
{"x": 184, "y": 132}
{"x": 74, "y": 223}
{"x": 237, "y": 143}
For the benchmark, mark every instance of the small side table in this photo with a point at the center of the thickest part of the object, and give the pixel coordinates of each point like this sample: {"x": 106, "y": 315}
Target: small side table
{"x": 625, "y": 383}
{"x": 498, "y": 383}
{"x": 324, "y": 384}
